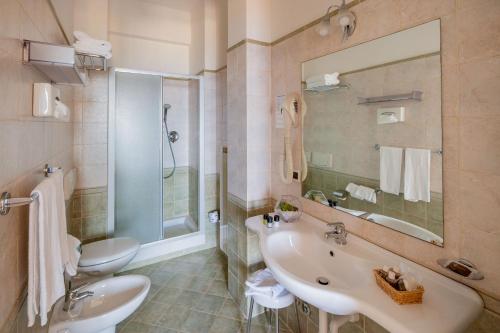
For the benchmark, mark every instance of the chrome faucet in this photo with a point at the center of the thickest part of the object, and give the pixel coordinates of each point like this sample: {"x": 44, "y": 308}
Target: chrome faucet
{"x": 74, "y": 295}
{"x": 338, "y": 233}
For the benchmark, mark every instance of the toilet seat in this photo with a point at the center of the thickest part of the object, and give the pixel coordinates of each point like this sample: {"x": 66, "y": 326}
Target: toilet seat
{"x": 106, "y": 251}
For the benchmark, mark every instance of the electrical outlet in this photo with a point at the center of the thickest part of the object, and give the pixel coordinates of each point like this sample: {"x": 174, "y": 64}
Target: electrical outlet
{"x": 306, "y": 309}
{"x": 295, "y": 175}
{"x": 303, "y": 306}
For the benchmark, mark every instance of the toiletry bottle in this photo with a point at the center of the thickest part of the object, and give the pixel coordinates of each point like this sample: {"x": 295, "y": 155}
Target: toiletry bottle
{"x": 264, "y": 218}
{"x": 392, "y": 279}
{"x": 269, "y": 221}
{"x": 276, "y": 220}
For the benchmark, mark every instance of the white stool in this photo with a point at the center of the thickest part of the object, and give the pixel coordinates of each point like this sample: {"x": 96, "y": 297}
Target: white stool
{"x": 284, "y": 300}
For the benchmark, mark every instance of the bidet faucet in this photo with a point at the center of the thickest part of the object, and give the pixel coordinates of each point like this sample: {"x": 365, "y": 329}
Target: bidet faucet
{"x": 338, "y": 233}
{"x": 74, "y": 295}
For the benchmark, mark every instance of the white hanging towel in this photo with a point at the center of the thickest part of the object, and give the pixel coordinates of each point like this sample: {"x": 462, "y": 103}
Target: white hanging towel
{"x": 263, "y": 282}
{"x": 47, "y": 249}
{"x": 74, "y": 250}
{"x": 417, "y": 186}
{"x": 390, "y": 169}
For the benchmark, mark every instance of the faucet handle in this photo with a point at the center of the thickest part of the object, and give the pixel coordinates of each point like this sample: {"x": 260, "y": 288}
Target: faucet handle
{"x": 78, "y": 288}
{"x": 336, "y": 225}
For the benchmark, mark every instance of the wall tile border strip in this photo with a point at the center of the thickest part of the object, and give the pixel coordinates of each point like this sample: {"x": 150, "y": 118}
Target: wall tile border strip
{"x": 248, "y": 205}
{"x": 211, "y": 70}
{"x": 293, "y": 33}
{"x": 249, "y": 41}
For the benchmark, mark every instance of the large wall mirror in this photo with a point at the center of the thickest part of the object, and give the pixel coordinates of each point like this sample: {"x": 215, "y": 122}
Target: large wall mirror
{"x": 373, "y": 134}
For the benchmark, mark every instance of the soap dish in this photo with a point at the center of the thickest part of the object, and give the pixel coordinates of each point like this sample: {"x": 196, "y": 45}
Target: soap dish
{"x": 400, "y": 297}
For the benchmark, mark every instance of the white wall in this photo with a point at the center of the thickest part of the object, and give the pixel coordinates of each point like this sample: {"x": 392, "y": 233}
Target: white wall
{"x": 91, "y": 16}
{"x": 249, "y": 19}
{"x": 259, "y": 20}
{"x": 64, "y": 10}
{"x": 150, "y": 36}
{"x": 221, "y": 34}
{"x": 236, "y": 18}
{"x": 196, "y": 52}
{"x": 158, "y": 35}
{"x": 289, "y": 15}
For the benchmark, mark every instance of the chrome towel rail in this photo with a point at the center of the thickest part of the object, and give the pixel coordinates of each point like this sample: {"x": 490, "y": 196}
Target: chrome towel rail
{"x": 47, "y": 170}
{"x": 7, "y": 202}
{"x": 437, "y": 151}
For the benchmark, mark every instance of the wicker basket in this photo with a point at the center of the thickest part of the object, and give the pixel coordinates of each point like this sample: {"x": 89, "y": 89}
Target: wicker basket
{"x": 400, "y": 297}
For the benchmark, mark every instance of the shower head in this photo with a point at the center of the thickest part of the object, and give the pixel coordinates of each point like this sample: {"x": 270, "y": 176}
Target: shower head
{"x": 166, "y": 107}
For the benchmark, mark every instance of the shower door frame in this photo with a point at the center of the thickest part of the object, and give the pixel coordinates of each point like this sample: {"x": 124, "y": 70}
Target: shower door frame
{"x": 110, "y": 225}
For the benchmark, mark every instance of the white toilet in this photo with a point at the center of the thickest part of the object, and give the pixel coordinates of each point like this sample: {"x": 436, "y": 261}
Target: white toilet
{"x": 107, "y": 256}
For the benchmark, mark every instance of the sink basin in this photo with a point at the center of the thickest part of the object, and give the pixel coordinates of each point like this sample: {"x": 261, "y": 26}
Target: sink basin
{"x": 406, "y": 227}
{"x": 114, "y": 300}
{"x": 298, "y": 254}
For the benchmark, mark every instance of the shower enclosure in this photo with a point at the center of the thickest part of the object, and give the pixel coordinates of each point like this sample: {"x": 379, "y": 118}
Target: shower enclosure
{"x": 155, "y": 164}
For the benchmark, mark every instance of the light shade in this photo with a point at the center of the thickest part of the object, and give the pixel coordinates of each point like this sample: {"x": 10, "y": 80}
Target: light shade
{"x": 324, "y": 27}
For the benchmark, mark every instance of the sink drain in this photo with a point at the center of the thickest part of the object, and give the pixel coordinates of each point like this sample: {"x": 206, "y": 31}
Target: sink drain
{"x": 323, "y": 281}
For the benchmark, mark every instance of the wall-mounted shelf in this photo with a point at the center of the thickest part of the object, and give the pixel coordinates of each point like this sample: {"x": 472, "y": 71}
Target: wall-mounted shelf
{"x": 327, "y": 88}
{"x": 61, "y": 63}
{"x": 415, "y": 95}
{"x": 58, "y": 62}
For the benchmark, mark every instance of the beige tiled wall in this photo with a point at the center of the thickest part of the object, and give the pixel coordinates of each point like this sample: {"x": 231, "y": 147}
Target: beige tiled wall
{"x": 91, "y": 131}
{"x": 27, "y": 143}
{"x": 88, "y": 213}
{"x": 178, "y": 192}
{"x": 471, "y": 128}
{"x": 243, "y": 251}
{"x": 471, "y": 125}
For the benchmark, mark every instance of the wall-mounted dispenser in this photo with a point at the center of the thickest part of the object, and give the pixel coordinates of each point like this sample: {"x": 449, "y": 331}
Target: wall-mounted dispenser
{"x": 47, "y": 102}
{"x": 390, "y": 115}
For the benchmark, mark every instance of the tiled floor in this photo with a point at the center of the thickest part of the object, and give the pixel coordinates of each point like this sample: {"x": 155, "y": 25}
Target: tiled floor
{"x": 189, "y": 295}
{"x": 176, "y": 230}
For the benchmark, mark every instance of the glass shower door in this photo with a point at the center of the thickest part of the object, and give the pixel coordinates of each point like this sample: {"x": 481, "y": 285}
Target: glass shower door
{"x": 137, "y": 156}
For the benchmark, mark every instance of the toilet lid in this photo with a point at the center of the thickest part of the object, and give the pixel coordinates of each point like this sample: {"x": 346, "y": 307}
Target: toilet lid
{"x": 107, "y": 250}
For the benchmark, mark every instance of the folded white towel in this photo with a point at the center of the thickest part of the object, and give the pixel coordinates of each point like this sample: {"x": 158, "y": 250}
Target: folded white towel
{"x": 323, "y": 80}
{"x": 74, "y": 250}
{"x": 84, "y": 38}
{"x": 390, "y": 169}
{"x": 86, "y": 44}
{"x": 46, "y": 253}
{"x": 417, "y": 185}
{"x": 263, "y": 282}
{"x": 92, "y": 49}
{"x": 362, "y": 192}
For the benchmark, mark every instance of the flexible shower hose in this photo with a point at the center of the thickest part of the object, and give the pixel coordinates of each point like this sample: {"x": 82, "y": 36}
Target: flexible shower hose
{"x": 170, "y": 145}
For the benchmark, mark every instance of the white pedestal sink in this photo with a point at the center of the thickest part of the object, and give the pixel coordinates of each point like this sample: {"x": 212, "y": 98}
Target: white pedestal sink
{"x": 114, "y": 300}
{"x": 298, "y": 254}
